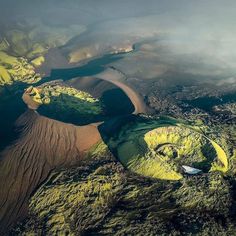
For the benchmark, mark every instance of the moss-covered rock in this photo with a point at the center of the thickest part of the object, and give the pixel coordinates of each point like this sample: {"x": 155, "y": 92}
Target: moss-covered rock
{"x": 159, "y": 148}
{"x": 23, "y": 46}
{"x": 102, "y": 198}
{"x": 16, "y": 69}
{"x": 38, "y": 61}
{"x": 64, "y": 98}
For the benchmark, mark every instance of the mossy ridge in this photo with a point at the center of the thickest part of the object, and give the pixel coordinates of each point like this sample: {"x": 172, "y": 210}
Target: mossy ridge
{"x": 32, "y": 38}
{"x": 102, "y": 199}
{"x": 64, "y": 98}
{"x": 227, "y": 132}
{"x": 16, "y": 69}
{"x": 131, "y": 150}
{"x": 99, "y": 150}
{"x": 136, "y": 143}
{"x": 5, "y": 77}
{"x": 221, "y": 162}
{"x": 23, "y": 46}
{"x": 73, "y": 201}
{"x": 38, "y": 61}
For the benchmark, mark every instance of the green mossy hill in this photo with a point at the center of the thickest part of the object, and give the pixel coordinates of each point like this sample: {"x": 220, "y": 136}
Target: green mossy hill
{"x": 159, "y": 148}
{"x": 23, "y": 46}
{"x": 64, "y": 98}
{"x": 228, "y": 132}
{"x": 16, "y": 69}
{"x": 33, "y": 38}
{"x": 102, "y": 198}
{"x": 74, "y": 201}
{"x": 38, "y": 61}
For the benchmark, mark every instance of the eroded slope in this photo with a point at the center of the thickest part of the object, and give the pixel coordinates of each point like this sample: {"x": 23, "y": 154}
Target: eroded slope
{"x": 43, "y": 145}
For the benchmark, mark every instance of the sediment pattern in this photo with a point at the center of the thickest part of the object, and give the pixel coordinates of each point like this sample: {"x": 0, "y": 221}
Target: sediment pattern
{"x": 42, "y": 146}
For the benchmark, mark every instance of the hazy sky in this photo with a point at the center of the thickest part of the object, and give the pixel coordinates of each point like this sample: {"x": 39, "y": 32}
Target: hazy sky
{"x": 104, "y": 9}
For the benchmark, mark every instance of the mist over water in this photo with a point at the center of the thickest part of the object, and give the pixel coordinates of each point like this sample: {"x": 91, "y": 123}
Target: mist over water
{"x": 196, "y": 37}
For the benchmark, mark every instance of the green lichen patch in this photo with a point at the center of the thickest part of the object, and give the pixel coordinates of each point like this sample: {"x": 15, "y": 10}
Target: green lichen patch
{"x": 16, "y": 69}
{"x": 101, "y": 198}
{"x": 65, "y": 103}
{"x": 24, "y": 45}
{"x": 159, "y": 148}
{"x": 77, "y": 200}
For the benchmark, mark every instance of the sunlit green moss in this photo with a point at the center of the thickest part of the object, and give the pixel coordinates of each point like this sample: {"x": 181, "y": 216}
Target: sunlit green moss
{"x": 98, "y": 150}
{"x": 65, "y": 103}
{"x": 61, "y": 203}
{"x": 57, "y": 90}
{"x": 37, "y": 50}
{"x": 35, "y": 95}
{"x": 22, "y": 48}
{"x": 156, "y": 168}
{"x": 5, "y": 77}
{"x": 101, "y": 198}
{"x": 7, "y": 59}
{"x": 38, "y": 61}
{"x": 16, "y": 69}
{"x": 222, "y": 163}
{"x": 189, "y": 144}
{"x": 159, "y": 148}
